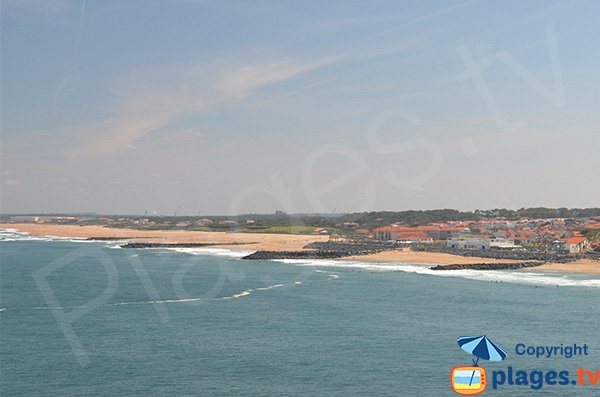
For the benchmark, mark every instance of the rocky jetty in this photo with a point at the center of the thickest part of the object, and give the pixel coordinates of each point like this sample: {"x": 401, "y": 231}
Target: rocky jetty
{"x": 311, "y": 254}
{"x": 108, "y": 238}
{"x": 140, "y": 245}
{"x": 488, "y": 266}
{"x": 323, "y": 250}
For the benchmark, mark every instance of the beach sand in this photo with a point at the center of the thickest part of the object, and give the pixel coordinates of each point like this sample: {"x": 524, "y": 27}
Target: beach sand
{"x": 279, "y": 242}
{"x": 270, "y": 242}
{"x": 426, "y": 258}
{"x": 586, "y": 266}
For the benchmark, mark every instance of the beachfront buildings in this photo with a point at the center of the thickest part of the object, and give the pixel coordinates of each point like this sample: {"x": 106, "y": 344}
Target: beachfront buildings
{"x": 469, "y": 242}
{"x": 573, "y": 235}
{"x": 418, "y": 234}
{"x": 576, "y": 245}
{"x": 403, "y": 235}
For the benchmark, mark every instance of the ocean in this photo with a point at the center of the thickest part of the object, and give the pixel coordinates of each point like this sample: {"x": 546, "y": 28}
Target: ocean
{"x": 84, "y": 318}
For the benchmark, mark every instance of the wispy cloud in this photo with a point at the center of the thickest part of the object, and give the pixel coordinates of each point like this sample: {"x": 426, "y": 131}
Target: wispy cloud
{"x": 432, "y": 15}
{"x": 138, "y": 114}
{"x": 237, "y": 84}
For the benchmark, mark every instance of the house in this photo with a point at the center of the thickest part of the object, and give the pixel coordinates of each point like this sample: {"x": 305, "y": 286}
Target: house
{"x": 468, "y": 242}
{"x": 24, "y": 218}
{"x": 576, "y": 245}
{"x": 384, "y": 233}
{"x": 414, "y": 237}
{"x": 499, "y": 241}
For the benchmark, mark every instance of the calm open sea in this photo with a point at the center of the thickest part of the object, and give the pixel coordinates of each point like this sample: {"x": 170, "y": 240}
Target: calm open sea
{"x": 80, "y": 318}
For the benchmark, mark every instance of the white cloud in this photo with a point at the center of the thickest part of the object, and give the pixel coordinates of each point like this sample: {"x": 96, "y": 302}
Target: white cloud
{"x": 137, "y": 115}
{"x": 237, "y": 84}
{"x": 142, "y": 110}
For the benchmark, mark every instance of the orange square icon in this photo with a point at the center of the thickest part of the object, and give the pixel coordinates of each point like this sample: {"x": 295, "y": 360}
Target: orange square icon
{"x": 468, "y": 381}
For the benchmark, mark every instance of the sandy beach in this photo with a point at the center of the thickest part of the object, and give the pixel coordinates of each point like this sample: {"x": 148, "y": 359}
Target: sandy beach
{"x": 278, "y": 242}
{"x": 586, "y": 266}
{"x": 425, "y": 258}
{"x": 271, "y": 242}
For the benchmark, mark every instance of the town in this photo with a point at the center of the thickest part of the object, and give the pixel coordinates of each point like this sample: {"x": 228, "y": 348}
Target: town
{"x": 538, "y": 230}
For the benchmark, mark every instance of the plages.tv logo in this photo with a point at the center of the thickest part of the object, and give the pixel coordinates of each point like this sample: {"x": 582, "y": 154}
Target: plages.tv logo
{"x": 471, "y": 380}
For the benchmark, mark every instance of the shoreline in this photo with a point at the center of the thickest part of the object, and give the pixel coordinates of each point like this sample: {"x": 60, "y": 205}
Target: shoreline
{"x": 227, "y": 240}
{"x": 281, "y": 243}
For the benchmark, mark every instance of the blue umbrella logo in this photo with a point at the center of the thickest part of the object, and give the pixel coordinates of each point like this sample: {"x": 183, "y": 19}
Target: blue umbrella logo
{"x": 481, "y": 347}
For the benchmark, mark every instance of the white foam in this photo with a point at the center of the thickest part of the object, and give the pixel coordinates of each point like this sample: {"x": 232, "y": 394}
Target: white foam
{"x": 509, "y": 276}
{"x": 243, "y": 293}
{"x": 7, "y": 234}
{"x": 2, "y": 309}
{"x": 249, "y": 291}
{"x": 270, "y": 287}
{"x": 185, "y": 300}
{"x": 213, "y": 251}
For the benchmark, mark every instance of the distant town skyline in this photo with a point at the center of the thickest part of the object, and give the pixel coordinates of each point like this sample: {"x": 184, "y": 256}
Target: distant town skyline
{"x": 223, "y": 108}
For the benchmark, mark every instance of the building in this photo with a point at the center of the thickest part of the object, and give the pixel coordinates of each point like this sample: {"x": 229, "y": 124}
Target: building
{"x": 470, "y": 243}
{"x": 385, "y": 233}
{"x": 576, "y": 245}
{"x": 502, "y": 242}
{"x": 415, "y": 237}
{"x": 350, "y": 225}
{"x": 24, "y": 218}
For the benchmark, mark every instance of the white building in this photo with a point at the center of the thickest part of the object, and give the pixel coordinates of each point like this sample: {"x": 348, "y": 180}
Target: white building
{"x": 470, "y": 243}
{"x": 501, "y": 242}
{"x": 24, "y": 218}
{"x": 576, "y": 245}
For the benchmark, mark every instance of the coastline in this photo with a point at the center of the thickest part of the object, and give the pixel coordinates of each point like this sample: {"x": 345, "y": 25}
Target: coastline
{"x": 255, "y": 241}
{"x": 281, "y": 242}
{"x": 425, "y": 258}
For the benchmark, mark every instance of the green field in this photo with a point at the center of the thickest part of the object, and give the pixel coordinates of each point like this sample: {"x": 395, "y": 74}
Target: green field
{"x": 291, "y": 229}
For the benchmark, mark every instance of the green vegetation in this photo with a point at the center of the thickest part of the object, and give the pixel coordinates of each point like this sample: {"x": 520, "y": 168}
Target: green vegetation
{"x": 291, "y": 229}
{"x": 408, "y": 218}
{"x": 334, "y": 223}
{"x": 591, "y": 234}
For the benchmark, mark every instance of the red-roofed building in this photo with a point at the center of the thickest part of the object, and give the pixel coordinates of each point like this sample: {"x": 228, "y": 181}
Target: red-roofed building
{"x": 576, "y": 245}
{"x": 414, "y": 237}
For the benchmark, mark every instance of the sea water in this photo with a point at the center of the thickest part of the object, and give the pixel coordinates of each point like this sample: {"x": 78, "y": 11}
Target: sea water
{"x": 83, "y": 318}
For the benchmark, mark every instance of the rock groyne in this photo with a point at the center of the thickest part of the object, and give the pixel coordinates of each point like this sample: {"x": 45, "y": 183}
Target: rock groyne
{"x": 140, "y": 245}
{"x": 323, "y": 250}
{"x": 488, "y": 266}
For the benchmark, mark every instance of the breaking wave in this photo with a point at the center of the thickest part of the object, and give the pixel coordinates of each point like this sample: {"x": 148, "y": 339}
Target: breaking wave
{"x": 15, "y": 235}
{"x": 509, "y": 276}
{"x": 162, "y": 301}
{"x": 249, "y": 291}
{"x": 212, "y": 251}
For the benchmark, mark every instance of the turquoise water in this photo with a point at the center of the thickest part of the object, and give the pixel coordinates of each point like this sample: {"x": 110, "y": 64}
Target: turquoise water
{"x": 204, "y": 323}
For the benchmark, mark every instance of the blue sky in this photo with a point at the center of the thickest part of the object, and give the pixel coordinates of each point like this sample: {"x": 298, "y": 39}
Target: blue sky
{"x": 226, "y": 107}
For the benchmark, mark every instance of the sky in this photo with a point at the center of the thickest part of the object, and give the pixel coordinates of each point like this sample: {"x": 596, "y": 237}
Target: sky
{"x": 228, "y": 107}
